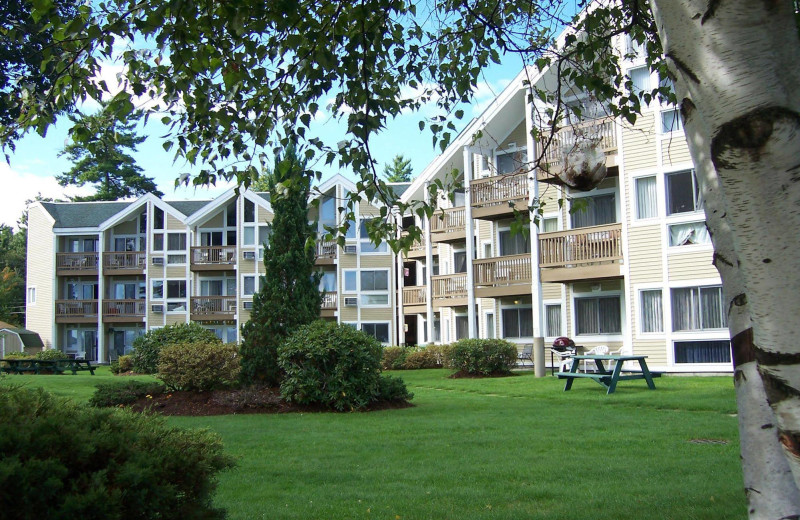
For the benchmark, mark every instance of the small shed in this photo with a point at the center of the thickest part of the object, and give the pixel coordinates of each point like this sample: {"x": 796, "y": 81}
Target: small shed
{"x": 17, "y": 339}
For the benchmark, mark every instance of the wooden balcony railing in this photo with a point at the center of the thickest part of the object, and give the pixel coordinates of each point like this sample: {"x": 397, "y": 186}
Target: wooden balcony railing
{"x": 589, "y": 245}
{"x": 330, "y": 300}
{"x": 76, "y": 261}
{"x": 134, "y": 260}
{"x": 214, "y": 255}
{"x": 504, "y": 270}
{"x": 124, "y": 308}
{"x": 566, "y": 138}
{"x": 452, "y": 219}
{"x": 499, "y": 189}
{"x": 415, "y": 295}
{"x": 326, "y": 249}
{"x": 450, "y": 285}
{"x": 76, "y": 308}
{"x": 213, "y": 305}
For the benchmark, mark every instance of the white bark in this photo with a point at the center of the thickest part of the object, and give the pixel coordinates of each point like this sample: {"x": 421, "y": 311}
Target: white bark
{"x": 737, "y": 77}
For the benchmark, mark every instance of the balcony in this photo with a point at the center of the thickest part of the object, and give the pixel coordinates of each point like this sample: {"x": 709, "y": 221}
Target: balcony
{"x": 564, "y": 140}
{"x": 330, "y": 303}
{"x": 76, "y": 311}
{"x": 590, "y": 253}
{"x": 124, "y": 311}
{"x": 326, "y": 252}
{"x": 213, "y": 258}
{"x": 449, "y": 290}
{"x": 122, "y": 263}
{"x": 502, "y": 276}
{"x": 415, "y": 298}
{"x": 448, "y": 225}
{"x": 497, "y": 197}
{"x": 76, "y": 264}
{"x": 417, "y": 250}
{"x": 213, "y": 308}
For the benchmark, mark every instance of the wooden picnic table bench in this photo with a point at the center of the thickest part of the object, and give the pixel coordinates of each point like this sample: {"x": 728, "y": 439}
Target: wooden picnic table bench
{"x": 55, "y": 366}
{"x": 607, "y": 378}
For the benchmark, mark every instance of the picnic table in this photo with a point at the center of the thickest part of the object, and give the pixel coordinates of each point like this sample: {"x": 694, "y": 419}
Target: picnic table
{"x": 37, "y": 366}
{"x": 605, "y": 377}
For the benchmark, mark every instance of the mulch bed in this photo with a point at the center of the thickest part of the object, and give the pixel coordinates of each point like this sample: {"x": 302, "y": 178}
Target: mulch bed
{"x": 250, "y": 400}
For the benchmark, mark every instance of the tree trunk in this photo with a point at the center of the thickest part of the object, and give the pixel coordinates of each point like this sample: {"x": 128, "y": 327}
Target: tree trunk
{"x": 735, "y": 64}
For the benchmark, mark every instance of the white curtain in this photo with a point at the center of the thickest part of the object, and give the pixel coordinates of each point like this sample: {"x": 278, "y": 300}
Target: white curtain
{"x": 652, "y": 312}
{"x": 553, "y": 323}
{"x": 646, "y": 198}
{"x": 688, "y": 234}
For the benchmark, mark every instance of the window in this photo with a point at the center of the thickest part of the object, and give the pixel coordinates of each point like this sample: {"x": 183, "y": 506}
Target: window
{"x": 552, "y": 325}
{"x": 176, "y": 289}
{"x": 328, "y": 282}
{"x": 462, "y": 327}
{"x": 264, "y": 232}
{"x": 718, "y": 351}
{"x": 511, "y": 243}
{"x": 379, "y": 331}
{"x": 688, "y": 233}
{"x": 157, "y": 290}
{"x": 249, "y": 211}
{"x": 31, "y": 295}
{"x": 598, "y": 315}
{"x": 646, "y": 197}
{"x": 158, "y": 241}
{"x": 683, "y": 194}
{"x": 460, "y": 262}
{"x": 158, "y": 218}
{"x": 248, "y": 235}
{"x": 327, "y": 212}
{"x": 594, "y": 211}
{"x": 490, "y": 330}
{"x": 176, "y": 242}
{"x": 230, "y": 216}
{"x": 351, "y": 281}
{"x": 125, "y": 244}
{"x": 248, "y": 285}
{"x": 652, "y": 313}
{"x": 437, "y": 328}
{"x": 698, "y": 308}
{"x": 211, "y": 238}
{"x": 517, "y": 322}
{"x": 640, "y": 78}
{"x": 511, "y": 161}
{"x": 225, "y": 333}
{"x": 549, "y": 224}
{"x": 374, "y": 288}
{"x": 671, "y": 121}
{"x": 634, "y": 49}
{"x": 366, "y": 243}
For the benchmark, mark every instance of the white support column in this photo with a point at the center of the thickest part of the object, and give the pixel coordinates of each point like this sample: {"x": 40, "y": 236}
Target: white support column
{"x": 101, "y": 333}
{"x": 429, "y": 270}
{"x": 401, "y": 320}
{"x": 470, "y": 242}
{"x": 537, "y": 305}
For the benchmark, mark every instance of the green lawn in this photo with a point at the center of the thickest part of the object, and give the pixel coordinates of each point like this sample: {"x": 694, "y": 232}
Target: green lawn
{"x": 507, "y": 448}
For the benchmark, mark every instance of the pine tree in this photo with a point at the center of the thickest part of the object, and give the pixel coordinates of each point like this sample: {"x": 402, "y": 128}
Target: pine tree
{"x": 399, "y": 170}
{"x": 289, "y": 296}
{"x": 98, "y": 151}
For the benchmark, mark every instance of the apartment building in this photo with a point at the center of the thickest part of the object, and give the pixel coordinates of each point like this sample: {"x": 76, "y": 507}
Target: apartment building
{"x": 102, "y": 273}
{"x": 630, "y": 268}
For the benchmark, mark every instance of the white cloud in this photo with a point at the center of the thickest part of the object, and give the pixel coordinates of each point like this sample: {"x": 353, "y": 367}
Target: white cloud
{"x": 19, "y": 186}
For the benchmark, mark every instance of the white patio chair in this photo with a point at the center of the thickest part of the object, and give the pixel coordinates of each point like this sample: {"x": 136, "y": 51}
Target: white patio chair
{"x": 564, "y": 359}
{"x": 599, "y": 350}
{"x": 622, "y": 351}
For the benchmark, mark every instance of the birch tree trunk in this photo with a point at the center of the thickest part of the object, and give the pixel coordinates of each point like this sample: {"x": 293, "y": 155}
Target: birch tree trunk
{"x": 737, "y": 77}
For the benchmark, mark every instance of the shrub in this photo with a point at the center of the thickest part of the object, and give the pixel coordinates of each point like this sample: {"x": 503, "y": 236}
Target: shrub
{"x": 427, "y": 357}
{"x": 147, "y": 346}
{"x": 122, "y": 365}
{"x": 393, "y": 389}
{"x": 62, "y": 460}
{"x": 330, "y": 364}
{"x": 19, "y": 355}
{"x": 118, "y": 393}
{"x": 393, "y": 358}
{"x": 199, "y": 366}
{"x": 50, "y": 354}
{"x": 482, "y": 356}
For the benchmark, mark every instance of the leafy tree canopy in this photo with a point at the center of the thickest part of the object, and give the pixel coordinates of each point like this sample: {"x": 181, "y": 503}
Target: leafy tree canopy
{"x": 399, "y": 170}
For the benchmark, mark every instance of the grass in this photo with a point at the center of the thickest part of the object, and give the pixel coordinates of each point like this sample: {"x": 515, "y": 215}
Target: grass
{"x": 506, "y": 448}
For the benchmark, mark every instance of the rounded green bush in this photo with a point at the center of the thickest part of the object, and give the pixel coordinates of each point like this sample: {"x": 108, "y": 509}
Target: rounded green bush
{"x": 147, "y": 347}
{"x": 19, "y": 355}
{"x": 199, "y": 366}
{"x": 393, "y": 358}
{"x": 482, "y": 356}
{"x": 331, "y": 365}
{"x": 118, "y": 393}
{"x": 67, "y": 461}
{"x": 50, "y": 354}
{"x": 426, "y": 357}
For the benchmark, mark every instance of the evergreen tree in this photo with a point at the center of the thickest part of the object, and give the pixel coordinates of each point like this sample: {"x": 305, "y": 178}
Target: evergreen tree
{"x": 98, "y": 151}
{"x": 289, "y": 296}
{"x": 399, "y": 170}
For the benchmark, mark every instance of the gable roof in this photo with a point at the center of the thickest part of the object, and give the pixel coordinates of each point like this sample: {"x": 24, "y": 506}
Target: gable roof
{"x": 188, "y": 207}
{"x": 82, "y": 214}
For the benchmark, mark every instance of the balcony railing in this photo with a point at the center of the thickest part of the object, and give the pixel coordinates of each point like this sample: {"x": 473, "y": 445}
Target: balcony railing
{"x": 124, "y": 308}
{"x": 566, "y": 138}
{"x": 213, "y": 305}
{"x": 76, "y": 308}
{"x": 450, "y": 285}
{"x": 133, "y": 260}
{"x": 504, "y": 270}
{"x": 449, "y": 220}
{"x": 590, "y": 245}
{"x": 499, "y": 189}
{"x": 415, "y": 295}
{"x": 326, "y": 249}
{"x": 213, "y": 255}
{"x": 76, "y": 261}
{"x": 330, "y": 301}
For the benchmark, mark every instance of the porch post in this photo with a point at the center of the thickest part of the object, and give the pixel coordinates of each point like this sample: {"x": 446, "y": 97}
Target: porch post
{"x": 537, "y": 306}
{"x": 470, "y": 232}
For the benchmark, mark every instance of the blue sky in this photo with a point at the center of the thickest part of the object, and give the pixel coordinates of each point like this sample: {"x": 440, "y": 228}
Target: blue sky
{"x": 35, "y": 163}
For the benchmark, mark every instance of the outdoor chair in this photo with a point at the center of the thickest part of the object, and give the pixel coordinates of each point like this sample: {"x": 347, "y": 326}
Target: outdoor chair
{"x": 599, "y": 350}
{"x": 622, "y": 351}
{"x": 564, "y": 359}
{"x": 526, "y": 353}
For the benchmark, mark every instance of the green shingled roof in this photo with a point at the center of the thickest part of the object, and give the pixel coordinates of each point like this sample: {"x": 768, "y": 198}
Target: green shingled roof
{"x": 188, "y": 207}
{"x": 82, "y": 214}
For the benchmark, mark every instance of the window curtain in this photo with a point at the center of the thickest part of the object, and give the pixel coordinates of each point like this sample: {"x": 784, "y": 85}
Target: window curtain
{"x": 553, "y": 320}
{"x": 610, "y": 319}
{"x": 510, "y": 323}
{"x": 646, "y": 198}
{"x": 587, "y": 316}
{"x": 460, "y": 262}
{"x": 515, "y": 243}
{"x": 599, "y": 210}
{"x": 684, "y": 309}
{"x": 652, "y": 311}
{"x": 688, "y": 234}
{"x": 703, "y": 351}
{"x": 462, "y": 327}
{"x": 711, "y": 315}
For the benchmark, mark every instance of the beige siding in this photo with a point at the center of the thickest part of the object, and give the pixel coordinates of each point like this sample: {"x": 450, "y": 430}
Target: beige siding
{"x": 688, "y": 266}
{"x": 40, "y": 316}
{"x": 655, "y": 350}
{"x": 262, "y": 215}
{"x": 126, "y": 228}
{"x": 174, "y": 224}
{"x": 518, "y": 137}
{"x": 176, "y": 271}
{"x": 173, "y": 319}
{"x": 376, "y": 314}
{"x": 348, "y": 314}
{"x": 217, "y": 221}
{"x": 244, "y": 316}
{"x": 551, "y": 291}
{"x": 675, "y": 150}
{"x": 370, "y": 261}
{"x": 155, "y": 271}
{"x": 639, "y": 143}
{"x": 644, "y": 254}
{"x": 155, "y": 319}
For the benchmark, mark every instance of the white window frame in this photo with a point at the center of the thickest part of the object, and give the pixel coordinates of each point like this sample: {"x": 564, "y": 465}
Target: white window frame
{"x": 660, "y": 198}
{"x": 31, "y": 295}
{"x": 361, "y": 240}
{"x": 163, "y": 289}
{"x": 486, "y": 315}
{"x": 506, "y": 226}
{"x": 678, "y": 129}
{"x": 562, "y": 311}
{"x": 169, "y": 300}
{"x": 511, "y": 149}
{"x": 574, "y": 194}
{"x": 378, "y": 322}
{"x": 176, "y": 252}
{"x": 362, "y": 292}
{"x": 639, "y": 288}
{"x": 256, "y": 284}
{"x": 516, "y": 339}
{"x": 548, "y": 216}
{"x": 600, "y": 338}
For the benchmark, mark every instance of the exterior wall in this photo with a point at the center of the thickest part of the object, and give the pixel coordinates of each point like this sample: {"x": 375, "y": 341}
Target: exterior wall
{"x": 40, "y": 316}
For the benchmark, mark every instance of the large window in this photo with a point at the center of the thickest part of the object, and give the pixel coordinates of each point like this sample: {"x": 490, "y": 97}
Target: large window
{"x": 176, "y": 290}
{"x": 462, "y": 327}
{"x": 688, "y": 233}
{"x": 374, "y": 287}
{"x": 646, "y": 197}
{"x": 717, "y": 351}
{"x": 698, "y": 308}
{"x": 379, "y": 331}
{"x": 176, "y": 242}
{"x": 598, "y": 315}
{"x": 640, "y": 77}
{"x": 595, "y": 211}
{"x": 366, "y": 243}
{"x": 511, "y": 161}
{"x": 514, "y": 243}
{"x": 652, "y": 312}
{"x": 552, "y": 321}
{"x": 460, "y": 262}
{"x": 683, "y": 194}
{"x": 517, "y": 322}
{"x": 248, "y": 285}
